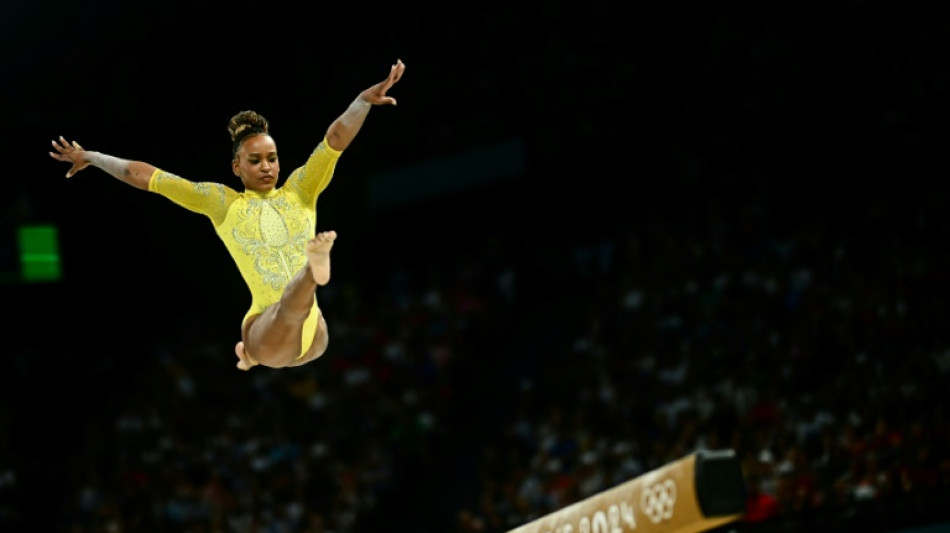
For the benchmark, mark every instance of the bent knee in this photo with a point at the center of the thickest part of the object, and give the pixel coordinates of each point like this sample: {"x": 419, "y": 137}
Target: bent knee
{"x": 321, "y": 340}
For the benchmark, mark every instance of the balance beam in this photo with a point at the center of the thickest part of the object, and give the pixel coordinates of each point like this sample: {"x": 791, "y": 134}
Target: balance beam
{"x": 698, "y": 492}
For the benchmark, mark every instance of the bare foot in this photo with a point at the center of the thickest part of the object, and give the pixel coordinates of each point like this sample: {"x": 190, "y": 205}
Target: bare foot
{"x": 318, "y": 255}
{"x": 245, "y": 362}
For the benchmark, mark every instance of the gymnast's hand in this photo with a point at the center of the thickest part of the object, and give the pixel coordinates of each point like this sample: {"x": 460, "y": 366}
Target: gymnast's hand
{"x": 72, "y": 153}
{"x": 376, "y": 95}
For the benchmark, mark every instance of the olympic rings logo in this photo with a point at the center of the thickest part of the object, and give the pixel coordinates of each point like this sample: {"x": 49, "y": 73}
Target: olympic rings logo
{"x": 657, "y": 501}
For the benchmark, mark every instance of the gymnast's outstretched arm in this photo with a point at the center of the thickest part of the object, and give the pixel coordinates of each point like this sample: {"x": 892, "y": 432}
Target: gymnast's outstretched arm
{"x": 344, "y": 129}
{"x": 135, "y": 173}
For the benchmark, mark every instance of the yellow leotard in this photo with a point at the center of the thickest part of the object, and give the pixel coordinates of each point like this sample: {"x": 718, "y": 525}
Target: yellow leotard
{"x": 264, "y": 233}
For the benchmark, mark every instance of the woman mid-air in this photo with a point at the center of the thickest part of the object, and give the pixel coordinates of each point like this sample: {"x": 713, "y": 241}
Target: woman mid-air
{"x": 269, "y": 230}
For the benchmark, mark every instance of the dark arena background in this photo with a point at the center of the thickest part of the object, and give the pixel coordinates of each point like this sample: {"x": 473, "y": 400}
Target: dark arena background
{"x": 590, "y": 241}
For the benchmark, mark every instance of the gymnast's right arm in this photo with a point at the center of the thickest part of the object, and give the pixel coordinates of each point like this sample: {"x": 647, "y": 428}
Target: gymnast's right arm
{"x": 135, "y": 173}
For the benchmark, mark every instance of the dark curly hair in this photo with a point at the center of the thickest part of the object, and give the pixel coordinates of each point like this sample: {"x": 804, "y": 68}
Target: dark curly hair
{"x": 246, "y": 124}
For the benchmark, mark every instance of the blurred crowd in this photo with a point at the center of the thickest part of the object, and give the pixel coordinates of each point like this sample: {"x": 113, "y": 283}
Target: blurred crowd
{"x": 509, "y": 379}
{"x": 815, "y": 349}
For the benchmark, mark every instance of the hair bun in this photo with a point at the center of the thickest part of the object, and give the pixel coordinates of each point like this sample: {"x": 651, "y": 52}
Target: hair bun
{"x": 247, "y": 123}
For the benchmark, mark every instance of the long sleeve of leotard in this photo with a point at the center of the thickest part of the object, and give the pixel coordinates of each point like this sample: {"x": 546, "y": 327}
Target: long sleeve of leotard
{"x": 313, "y": 177}
{"x": 207, "y": 198}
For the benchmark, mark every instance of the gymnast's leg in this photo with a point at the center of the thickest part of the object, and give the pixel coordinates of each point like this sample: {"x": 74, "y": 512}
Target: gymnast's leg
{"x": 273, "y": 338}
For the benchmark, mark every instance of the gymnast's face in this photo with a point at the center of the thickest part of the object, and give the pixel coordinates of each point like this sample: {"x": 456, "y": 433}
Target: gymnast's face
{"x": 256, "y": 163}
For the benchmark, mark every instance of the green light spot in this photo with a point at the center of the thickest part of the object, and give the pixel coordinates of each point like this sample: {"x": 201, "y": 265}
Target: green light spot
{"x": 39, "y": 253}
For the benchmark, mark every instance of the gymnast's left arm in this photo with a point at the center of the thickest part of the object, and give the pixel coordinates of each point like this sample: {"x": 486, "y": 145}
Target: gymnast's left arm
{"x": 311, "y": 179}
{"x": 344, "y": 129}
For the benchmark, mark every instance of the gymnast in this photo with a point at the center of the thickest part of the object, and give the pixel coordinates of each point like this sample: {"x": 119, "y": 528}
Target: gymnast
{"x": 268, "y": 229}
